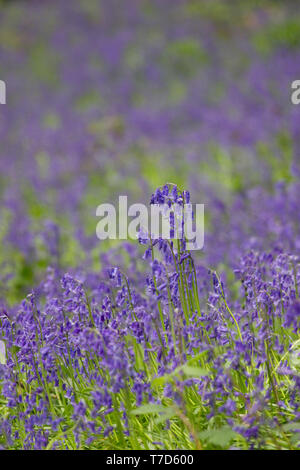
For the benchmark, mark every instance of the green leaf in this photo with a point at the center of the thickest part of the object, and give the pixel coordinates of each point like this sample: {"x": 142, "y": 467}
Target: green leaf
{"x": 218, "y": 437}
{"x": 168, "y": 414}
{"x": 188, "y": 370}
{"x": 194, "y": 371}
{"x": 149, "y": 409}
{"x": 159, "y": 381}
{"x": 163, "y": 411}
{"x": 291, "y": 427}
{"x": 2, "y": 353}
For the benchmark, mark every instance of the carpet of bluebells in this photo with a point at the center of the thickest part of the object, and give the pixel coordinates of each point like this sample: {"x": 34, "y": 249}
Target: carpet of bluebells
{"x": 143, "y": 344}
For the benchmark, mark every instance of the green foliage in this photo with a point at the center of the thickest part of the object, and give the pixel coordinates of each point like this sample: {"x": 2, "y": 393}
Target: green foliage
{"x": 285, "y": 34}
{"x": 43, "y": 63}
{"x": 184, "y": 56}
{"x": 278, "y": 156}
{"x": 221, "y": 437}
